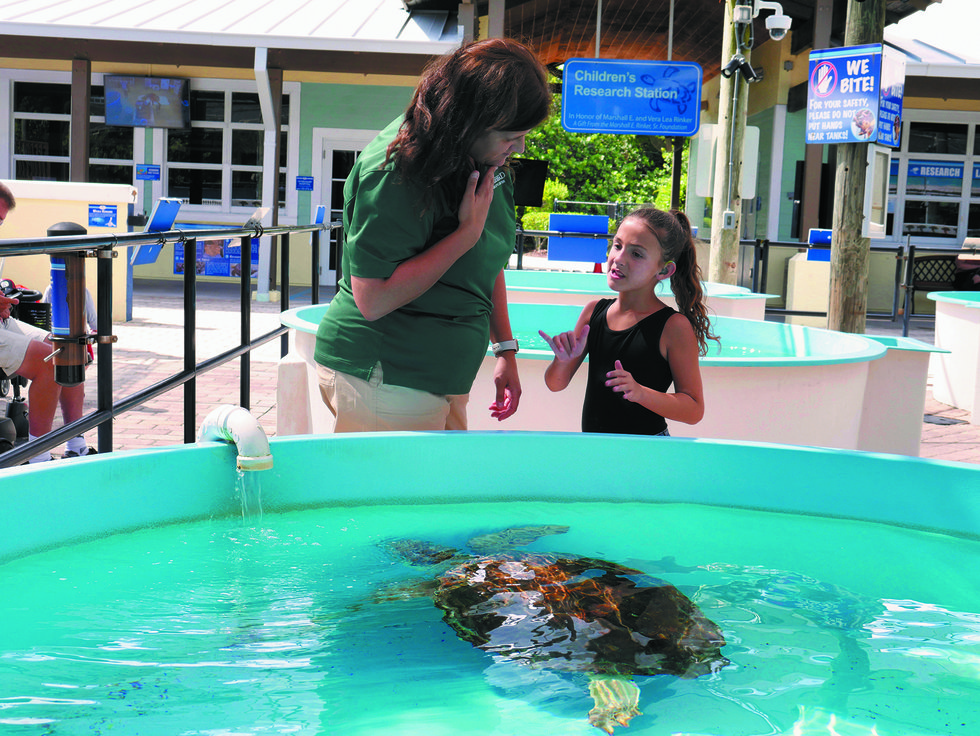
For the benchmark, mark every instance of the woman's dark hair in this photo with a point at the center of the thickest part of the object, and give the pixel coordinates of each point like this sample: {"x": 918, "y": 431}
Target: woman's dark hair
{"x": 495, "y": 84}
{"x": 673, "y": 230}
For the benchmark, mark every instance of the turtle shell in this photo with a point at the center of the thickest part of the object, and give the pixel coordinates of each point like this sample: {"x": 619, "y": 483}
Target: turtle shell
{"x": 578, "y": 614}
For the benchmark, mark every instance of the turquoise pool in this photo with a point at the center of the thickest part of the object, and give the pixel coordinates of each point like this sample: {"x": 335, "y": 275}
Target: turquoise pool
{"x": 128, "y": 606}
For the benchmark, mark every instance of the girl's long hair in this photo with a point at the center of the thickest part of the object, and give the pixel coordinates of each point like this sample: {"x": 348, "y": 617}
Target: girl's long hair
{"x": 495, "y": 84}
{"x": 673, "y": 230}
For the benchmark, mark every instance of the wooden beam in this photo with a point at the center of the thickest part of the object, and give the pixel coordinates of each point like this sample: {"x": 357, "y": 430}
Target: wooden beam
{"x": 81, "y": 94}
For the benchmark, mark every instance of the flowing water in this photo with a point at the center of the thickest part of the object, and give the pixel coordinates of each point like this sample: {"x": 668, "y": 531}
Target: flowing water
{"x": 302, "y": 624}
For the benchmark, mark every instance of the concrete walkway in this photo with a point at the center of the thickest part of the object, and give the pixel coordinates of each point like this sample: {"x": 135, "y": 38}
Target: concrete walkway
{"x": 150, "y": 349}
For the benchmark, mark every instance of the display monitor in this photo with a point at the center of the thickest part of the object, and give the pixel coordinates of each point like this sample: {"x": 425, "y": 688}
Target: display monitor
{"x": 147, "y": 102}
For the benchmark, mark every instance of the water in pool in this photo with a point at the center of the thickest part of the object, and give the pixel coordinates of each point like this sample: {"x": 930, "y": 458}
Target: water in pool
{"x": 302, "y": 625}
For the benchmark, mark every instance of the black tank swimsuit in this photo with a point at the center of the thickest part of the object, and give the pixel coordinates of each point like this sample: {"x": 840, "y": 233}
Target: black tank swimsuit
{"x": 638, "y": 349}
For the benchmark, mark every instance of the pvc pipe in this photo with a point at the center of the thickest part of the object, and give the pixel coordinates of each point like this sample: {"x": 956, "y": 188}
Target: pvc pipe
{"x": 230, "y": 423}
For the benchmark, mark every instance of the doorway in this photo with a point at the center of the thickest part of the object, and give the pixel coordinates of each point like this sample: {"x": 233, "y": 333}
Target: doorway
{"x": 334, "y": 152}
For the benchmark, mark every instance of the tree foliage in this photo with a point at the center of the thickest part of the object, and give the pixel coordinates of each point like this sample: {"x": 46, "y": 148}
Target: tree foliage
{"x": 603, "y": 167}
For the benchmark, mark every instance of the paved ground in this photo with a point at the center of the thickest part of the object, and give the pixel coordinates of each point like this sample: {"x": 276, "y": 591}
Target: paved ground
{"x": 150, "y": 349}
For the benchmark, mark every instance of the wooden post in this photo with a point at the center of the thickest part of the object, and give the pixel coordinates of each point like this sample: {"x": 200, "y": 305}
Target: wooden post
{"x": 850, "y": 253}
{"x": 723, "y": 264}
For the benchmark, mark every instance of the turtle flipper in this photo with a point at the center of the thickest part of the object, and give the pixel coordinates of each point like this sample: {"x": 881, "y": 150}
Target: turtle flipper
{"x": 617, "y": 701}
{"x": 417, "y": 552}
{"x": 508, "y": 539}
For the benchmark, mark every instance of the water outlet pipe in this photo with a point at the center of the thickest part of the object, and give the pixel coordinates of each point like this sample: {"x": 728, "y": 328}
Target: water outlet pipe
{"x": 230, "y": 423}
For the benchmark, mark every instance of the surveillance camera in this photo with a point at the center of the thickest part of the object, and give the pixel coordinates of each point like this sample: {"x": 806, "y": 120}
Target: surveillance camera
{"x": 778, "y": 25}
{"x": 733, "y": 65}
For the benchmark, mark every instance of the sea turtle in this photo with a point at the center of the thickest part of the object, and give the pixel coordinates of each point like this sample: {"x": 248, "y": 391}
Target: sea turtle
{"x": 569, "y": 613}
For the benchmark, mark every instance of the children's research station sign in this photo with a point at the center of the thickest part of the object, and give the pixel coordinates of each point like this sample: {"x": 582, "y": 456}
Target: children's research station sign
{"x": 855, "y": 95}
{"x": 631, "y": 97}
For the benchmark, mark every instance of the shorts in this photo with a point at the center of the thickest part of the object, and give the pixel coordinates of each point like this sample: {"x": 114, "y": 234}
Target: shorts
{"x": 15, "y": 336}
{"x": 373, "y": 406}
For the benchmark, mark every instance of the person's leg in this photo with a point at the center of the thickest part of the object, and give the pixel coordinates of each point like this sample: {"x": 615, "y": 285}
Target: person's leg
{"x": 43, "y": 394}
{"x": 72, "y": 408}
{"x": 456, "y": 420}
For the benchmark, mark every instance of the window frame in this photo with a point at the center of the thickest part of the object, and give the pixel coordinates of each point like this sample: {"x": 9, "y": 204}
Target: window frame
{"x": 898, "y": 199}
{"x": 290, "y": 127}
{"x": 29, "y": 76}
{"x": 149, "y": 144}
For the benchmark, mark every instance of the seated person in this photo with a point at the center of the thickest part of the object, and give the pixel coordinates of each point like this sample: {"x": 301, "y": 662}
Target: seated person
{"x": 23, "y": 349}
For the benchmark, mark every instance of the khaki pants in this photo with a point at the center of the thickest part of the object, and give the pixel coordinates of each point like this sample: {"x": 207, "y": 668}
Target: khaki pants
{"x": 373, "y": 406}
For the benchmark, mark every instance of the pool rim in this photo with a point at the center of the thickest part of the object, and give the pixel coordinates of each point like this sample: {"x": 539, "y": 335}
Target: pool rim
{"x": 864, "y": 348}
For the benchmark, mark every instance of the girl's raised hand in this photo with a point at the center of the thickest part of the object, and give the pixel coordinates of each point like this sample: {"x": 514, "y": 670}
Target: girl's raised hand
{"x": 566, "y": 346}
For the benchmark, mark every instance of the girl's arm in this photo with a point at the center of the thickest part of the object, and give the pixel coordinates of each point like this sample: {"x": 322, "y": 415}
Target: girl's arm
{"x": 680, "y": 347}
{"x": 569, "y": 349}
{"x": 411, "y": 278}
{"x": 505, "y": 378}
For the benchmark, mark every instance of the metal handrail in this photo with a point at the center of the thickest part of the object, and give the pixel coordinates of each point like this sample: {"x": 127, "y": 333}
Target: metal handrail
{"x": 102, "y": 248}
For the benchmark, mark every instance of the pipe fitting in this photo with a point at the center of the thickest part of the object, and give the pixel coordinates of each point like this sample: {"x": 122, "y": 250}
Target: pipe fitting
{"x": 229, "y": 423}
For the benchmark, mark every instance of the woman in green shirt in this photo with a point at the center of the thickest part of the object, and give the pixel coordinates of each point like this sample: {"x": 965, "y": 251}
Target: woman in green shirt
{"x": 429, "y": 225}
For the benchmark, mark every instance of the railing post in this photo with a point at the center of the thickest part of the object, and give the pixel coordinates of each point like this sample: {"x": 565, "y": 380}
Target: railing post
{"x": 315, "y": 267}
{"x": 190, "y": 339}
{"x": 103, "y": 309}
{"x": 284, "y": 286}
{"x": 245, "y": 389}
{"x": 909, "y": 293}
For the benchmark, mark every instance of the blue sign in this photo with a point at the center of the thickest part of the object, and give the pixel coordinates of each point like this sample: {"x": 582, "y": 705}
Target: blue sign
{"x": 304, "y": 183}
{"x": 631, "y": 97}
{"x": 583, "y": 250}
{"x": 215, "y": 257}
{"x": 102, "y": 215}
{"x": 892, "y": 97}
{"x": 855, "y": 95}
{"x": 147, "y": 172}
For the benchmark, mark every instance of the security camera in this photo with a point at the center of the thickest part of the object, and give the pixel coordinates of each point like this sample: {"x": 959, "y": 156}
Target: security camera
{"x": 733, "y": 65}
{"x": 778, "y": 25}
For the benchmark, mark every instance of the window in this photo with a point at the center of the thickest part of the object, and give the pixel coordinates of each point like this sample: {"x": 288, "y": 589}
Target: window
{"x": 218, "y": 161}
{"x": 217, "y": 164}
{"x": 934, "y": 187}
{"x": 42, "y": 135}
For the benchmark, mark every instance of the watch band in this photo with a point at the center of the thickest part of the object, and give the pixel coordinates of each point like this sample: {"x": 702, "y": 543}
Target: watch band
{"x": 503, "y": 346}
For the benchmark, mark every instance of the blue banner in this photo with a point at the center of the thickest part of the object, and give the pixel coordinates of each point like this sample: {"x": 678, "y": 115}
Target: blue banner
{"x": 631, "y": 97}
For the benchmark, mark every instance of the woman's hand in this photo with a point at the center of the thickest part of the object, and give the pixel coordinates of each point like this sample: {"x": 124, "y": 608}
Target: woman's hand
{"x": 508, "y": 387}
{"x": 475, "y": 204}
{"x": 566, "y": 346}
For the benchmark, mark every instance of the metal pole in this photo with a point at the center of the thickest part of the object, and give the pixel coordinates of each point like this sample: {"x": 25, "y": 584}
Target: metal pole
{"x": 103, "y": 348}
{"x": 315, "y": 268}
{"x": 598, "y": 26}
{"x": 244, "y": 390}
{"x": 190, "y": 339}
{"x": 284, "y": 295}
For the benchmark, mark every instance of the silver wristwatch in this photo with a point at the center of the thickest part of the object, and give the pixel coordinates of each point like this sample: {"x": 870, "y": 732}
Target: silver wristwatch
{"x": 503, "y": 346}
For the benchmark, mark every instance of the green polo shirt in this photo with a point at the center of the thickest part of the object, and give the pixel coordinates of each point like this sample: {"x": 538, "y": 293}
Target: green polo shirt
{"x": 436, "y": 342}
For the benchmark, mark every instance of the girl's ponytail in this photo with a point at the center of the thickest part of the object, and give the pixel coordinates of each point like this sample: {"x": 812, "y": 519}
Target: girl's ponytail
{"x": 673, "y": 230}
